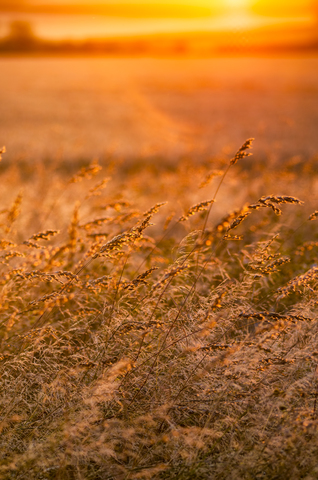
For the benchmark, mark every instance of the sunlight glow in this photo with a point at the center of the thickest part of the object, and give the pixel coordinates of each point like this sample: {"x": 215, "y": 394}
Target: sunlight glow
{"x": 97, "y": 19}
{"x": 241, "y": 4}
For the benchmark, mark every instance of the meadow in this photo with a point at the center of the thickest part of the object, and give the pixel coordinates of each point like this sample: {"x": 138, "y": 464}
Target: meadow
{"x": 159, "y": 303}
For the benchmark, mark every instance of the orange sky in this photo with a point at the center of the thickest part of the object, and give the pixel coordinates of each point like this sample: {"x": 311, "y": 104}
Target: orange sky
{"x": 52, "y": 19}
{"x": 281, "y": 8}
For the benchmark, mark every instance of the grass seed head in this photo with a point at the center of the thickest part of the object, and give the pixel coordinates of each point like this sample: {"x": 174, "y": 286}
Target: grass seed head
{"x": 44, "y": 235}
{"x": 279, "y": 199}
{"x": 238, "y": 220}
{"x": 199, "y": 207}
{"x": 86, "y": 172}
{"x": 154, "y": 209}
{"x": 241, "y": 153}
{"x": 313, "y": 216}
{"x": 140, "y": 280}
{"x": 97, "y": 189}
{"x": 210, "y": 177}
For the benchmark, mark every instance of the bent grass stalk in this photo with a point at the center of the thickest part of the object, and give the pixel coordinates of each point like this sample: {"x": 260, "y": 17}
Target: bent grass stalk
{"x": 240, "y": 154}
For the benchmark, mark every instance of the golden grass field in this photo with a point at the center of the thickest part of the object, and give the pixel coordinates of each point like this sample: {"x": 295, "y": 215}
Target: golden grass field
{"x": 158, "y": 284}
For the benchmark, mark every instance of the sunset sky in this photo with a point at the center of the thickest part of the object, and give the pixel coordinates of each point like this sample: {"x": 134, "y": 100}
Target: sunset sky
{"x": 98, "y": 18}
{"x": 285, "y": 8}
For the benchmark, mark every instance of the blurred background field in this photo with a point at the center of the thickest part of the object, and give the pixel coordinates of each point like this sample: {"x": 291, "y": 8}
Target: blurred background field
{"x": 148, "y": 108}
{"x": 158, "y": 80}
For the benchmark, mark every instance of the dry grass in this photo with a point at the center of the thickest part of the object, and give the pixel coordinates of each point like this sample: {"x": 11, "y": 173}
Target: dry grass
{"x": 141, "y": 339}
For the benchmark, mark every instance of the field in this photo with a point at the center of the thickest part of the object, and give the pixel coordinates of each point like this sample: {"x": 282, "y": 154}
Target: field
{"x": 159, "y": 283}
{"x": 81, "y": 108}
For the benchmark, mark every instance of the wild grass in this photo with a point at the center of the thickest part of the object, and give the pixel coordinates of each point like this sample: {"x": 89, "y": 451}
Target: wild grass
{"x": 144, "y": 339}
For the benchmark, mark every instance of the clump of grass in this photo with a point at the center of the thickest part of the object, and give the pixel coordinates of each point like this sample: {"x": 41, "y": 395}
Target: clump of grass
{"x": 129, "y": 350}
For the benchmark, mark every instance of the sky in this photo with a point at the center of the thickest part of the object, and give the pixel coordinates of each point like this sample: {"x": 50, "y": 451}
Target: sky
{"x": 285, "y": 8}
{"x": 97, "y": 18}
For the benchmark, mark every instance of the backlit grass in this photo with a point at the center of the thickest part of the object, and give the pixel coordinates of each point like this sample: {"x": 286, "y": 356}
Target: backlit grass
{"x": 154, "y": 329}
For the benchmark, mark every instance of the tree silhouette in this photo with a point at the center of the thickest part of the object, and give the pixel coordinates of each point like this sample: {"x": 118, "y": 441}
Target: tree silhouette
{"x": 21, "y": 36}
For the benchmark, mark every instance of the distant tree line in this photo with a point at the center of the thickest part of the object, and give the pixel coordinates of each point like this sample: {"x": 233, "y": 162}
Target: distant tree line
{"x": 22, "y": 39}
